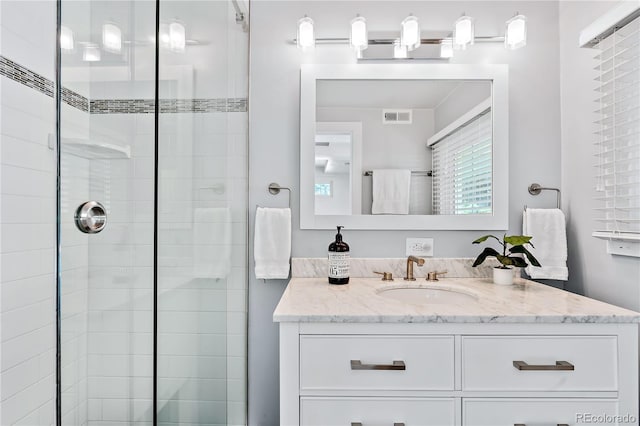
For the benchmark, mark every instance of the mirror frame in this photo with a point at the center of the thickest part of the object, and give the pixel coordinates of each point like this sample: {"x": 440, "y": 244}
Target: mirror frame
{"x": 497, "y": 74}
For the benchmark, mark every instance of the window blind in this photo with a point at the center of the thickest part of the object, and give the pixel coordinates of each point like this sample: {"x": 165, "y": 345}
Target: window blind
{"x": 462, "y": 169}
{"x": 617, "y": 210}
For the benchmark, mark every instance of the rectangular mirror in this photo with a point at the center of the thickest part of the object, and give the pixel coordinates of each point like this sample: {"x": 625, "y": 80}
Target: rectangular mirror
{"x": 404, "y": 147}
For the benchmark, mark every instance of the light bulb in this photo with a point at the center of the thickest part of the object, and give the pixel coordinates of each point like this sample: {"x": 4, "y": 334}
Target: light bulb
{"x": 410, "y": 33}
{"x": 177, "y": 37}
{"x": 111, "y": 38}
{"x": 306, "y": 38}
{"x": 399, "y": 51}
{"x": 359, "y": 39}
{"x": 463, "y": 32}
{"x": 515, "y": 35}
{"x": 66, "y": 38}
{"x": 91, "y": 53}
{"x": 446, "y": 48}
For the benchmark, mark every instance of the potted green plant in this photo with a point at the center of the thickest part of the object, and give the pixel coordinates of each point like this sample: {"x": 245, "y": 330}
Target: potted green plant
{"x": 513, "y": 247}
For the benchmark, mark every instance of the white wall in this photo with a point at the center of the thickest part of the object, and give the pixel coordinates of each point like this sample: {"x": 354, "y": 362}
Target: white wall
{"x": 27, "y": 223}
{"x": 274, "y": 135}
{"x": 592, "y": 271}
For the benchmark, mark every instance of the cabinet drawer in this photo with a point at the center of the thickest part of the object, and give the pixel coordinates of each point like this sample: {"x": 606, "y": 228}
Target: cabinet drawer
{"x": 376, "y": 411}
{"x": 511, "y": 412}
{"x": 367, "y": 362}
{"x": 534, "y": 363}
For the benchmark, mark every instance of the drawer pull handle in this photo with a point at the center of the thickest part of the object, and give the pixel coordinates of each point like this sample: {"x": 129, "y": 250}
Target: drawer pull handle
{"x": 356, "y": 364}
{"x": 395, "y": 424}
{"x": 559, "y": 366}
{"x": 522, "y": 424}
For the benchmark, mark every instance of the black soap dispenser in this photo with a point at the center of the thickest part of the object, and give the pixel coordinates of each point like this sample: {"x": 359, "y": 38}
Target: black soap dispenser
{"x": 339, "y": 260}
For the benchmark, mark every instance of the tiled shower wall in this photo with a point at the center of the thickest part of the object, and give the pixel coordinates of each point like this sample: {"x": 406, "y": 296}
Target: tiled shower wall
{"x": 27, "y": 218}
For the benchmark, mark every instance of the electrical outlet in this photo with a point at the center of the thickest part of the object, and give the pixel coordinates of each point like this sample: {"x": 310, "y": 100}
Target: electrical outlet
{"x": 422, "y": 247}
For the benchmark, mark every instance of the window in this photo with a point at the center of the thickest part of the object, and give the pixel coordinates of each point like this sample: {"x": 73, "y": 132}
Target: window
{"x": 617, "y": 210}
{"x": 323, "y": 189}
{"x": 462, "y": 169}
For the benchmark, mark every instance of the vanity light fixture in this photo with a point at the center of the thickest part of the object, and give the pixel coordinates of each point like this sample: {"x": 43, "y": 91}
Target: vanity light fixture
{"x": 91, "y": 53}
{"x": 177, "y": 37}
{"x": 446, "y": 48}
{"x": 359, "y": 39}
{"x": 306, "y": 36}
{"x": 411, "y": 38}
{"x": 410, "y": 33}
{"x": 66, "y": 38}
{"x": 463, "y": 32}
{"x": 111, "y": 38}
{"x": 515, "y": 35}
{"x": 399, "y": 51}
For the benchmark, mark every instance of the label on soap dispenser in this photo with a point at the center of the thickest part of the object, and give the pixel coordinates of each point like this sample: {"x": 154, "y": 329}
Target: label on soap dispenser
{"x": 338, "y": 264}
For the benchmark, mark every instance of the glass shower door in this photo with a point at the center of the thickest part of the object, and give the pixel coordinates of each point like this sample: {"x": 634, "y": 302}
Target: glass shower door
{"x": 152, "y": 319}
{"x": 107, "y": 156}
{"x": 202, "y": 213}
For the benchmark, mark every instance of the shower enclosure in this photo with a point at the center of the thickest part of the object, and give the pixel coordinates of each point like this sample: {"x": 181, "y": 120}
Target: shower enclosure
{"x": 152, "y": 259}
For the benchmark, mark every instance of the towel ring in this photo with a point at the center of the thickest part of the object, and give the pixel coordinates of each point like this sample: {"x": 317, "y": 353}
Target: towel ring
{"x": 275, "y": 188}
{"x": 536, "y": 189}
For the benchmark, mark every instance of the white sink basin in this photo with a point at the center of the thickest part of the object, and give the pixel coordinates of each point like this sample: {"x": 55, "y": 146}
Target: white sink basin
{"x": 427, "y": 295}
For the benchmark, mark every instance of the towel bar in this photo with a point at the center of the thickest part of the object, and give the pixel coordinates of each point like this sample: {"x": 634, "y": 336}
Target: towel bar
{"x": 413, "y": 172}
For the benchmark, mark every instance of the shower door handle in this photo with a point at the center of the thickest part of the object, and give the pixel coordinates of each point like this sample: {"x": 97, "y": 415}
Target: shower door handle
{"x": 91, "y": 217}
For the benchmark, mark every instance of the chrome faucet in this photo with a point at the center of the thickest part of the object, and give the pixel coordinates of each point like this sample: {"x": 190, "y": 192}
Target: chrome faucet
{"x": 418, "y": 260}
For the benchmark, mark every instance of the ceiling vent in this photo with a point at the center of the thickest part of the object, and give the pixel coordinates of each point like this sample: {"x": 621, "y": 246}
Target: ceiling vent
{"x": 397, "y": 116}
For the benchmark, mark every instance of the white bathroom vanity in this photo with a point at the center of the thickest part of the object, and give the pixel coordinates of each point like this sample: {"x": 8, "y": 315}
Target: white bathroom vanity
{"x": 459, "y": 351}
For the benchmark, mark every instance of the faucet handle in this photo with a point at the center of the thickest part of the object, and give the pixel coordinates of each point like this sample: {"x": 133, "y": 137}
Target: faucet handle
{"x": 386, "y": 276}
{"x": 433, "y": 275}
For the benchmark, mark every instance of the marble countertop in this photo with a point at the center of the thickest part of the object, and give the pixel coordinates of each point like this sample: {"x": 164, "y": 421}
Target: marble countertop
{"x": 361, "y": 301}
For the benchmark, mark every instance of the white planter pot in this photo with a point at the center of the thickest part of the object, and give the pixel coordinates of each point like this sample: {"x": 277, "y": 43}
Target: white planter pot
{"x": 503, "y": 276}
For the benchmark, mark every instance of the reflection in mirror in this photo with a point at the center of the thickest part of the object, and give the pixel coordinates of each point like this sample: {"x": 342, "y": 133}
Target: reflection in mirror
{"x": 397, "y": 147}
{"x": 337, "y": 186}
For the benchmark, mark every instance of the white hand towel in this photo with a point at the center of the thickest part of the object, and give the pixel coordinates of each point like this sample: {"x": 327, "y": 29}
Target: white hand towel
{"x": 212, "y": 242}
{"x": 548, "y": 229}
{"x": 391, "y": 190}
{"x": 272, "y": 243}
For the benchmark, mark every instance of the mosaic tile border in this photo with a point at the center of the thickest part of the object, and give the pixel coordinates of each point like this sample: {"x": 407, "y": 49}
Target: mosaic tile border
{"x": 25, "y": 76}
{"x": 33, "y": 80}
{"x": 167, "y": 106}
{"x": 75, "y": 100}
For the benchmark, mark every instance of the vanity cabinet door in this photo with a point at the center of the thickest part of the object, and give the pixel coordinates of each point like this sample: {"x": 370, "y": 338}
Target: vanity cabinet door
{"x": 539, "y": 363}
{"x": 538, "y": 412}
{"x": 377, "y": 411}
{"x": 376, "y": 362}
